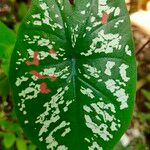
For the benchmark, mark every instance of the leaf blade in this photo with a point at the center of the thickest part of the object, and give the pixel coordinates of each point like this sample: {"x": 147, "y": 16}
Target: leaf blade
{"x": 9, "y": 140}
{"x": 83, "y": 68}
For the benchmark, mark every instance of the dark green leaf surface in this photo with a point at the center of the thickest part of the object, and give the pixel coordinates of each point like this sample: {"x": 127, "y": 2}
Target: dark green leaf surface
{"x": 73, "y": 74}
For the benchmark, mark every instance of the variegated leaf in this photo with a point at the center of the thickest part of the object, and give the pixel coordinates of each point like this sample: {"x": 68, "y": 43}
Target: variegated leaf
{"x": 73, "y": 74}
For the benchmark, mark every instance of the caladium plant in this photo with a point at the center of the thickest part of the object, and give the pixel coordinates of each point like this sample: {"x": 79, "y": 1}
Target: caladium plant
{"x": 73, "y": 74}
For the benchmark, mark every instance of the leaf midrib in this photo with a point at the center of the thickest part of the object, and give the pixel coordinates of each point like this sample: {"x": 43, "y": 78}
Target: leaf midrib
{"x": 68, "y": 39}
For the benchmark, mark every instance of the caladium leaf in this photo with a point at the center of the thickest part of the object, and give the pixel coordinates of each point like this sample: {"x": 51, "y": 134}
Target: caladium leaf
{"x": 73, "y": 74}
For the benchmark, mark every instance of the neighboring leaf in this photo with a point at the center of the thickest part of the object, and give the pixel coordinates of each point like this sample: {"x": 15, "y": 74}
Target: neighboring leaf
{"x": 32, "y": 147}
{"x": 9, "y": 126}
{"x": 144, "y": 117}
{"x": 9, "y": 140}
{"x": 15, "y": 127}
{"x": 7, "y": 36}
{"x": 4, "y": 85}
{"x": 73, "y": 74}
{"x": 21, "y": 144}
{"x": 137, "y": 144}
{"x": 146, "y": 94}
{"x": 16, "y": 27}
{"x": 23, "y": 8}
{"x": 5, "y": 124}
{"x": 7, "y": 42}
{"x": 119, "y": 146}
{"x": 1, "y": 134}
{"x": 147, "y": 104}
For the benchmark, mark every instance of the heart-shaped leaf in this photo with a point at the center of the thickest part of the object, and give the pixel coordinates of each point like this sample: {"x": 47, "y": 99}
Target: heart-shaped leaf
{"x": 73, "y": 74}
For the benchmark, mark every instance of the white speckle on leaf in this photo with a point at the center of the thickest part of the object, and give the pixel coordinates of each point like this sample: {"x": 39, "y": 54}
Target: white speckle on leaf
{"x": 20, "y": 80}
{"x": 117, "y": 11}
{"x": 95, "y": 146}
{"x": 88, "y": 5}
{"x": 109, "y": 66}
{"x": 109, "y": 42}
{"x": 87, "y": 91}
{"x": 26, "y": 121}
{"x": 118, "y": 92}
{"x": 123, "y": 72}
{"x": 92, "y": 71}
{"x": 83, "y": 12}
{"x": 92, "y": 19}
{"x": 38, "y": 23}
{"x": 127, "y": 50}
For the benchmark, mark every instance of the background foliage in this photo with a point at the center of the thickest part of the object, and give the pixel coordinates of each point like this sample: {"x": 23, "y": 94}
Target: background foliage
{"x": 11, "y": 134}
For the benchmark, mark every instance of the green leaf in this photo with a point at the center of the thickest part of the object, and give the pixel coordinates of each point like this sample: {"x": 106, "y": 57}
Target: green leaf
{"x": 1, "y": 134}
{"x": 137, "y": 144}
{"x": 119, "y": 146}
{"x": 21, "y": 144}
{"x": 144, "y": 117}
{"x": 147, "y": 104}
{"x": 4, "y": 85}
{"x": 5, "y": 124}
{"x": 146, "y": 94}
{"x": 22, "y": 10}
{"x": 7, "y": 42}
{"x": 16, "y": 27}
{"x": 73, "y": 74}
{"x": 9, "y": 126}
{"x": 7, "y": 36}
{"x": 32, "y": 147}
{"x": 9, "y": 140}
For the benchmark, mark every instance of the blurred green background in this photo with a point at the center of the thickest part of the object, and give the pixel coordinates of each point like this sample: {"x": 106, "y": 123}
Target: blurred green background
{"x": 138, "y": 135}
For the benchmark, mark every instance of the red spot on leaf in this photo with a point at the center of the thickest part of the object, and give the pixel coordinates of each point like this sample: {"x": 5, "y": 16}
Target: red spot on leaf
{"x": 39, "y": 76}
{"x": 105, "y": 18}
{"x": 35, "y": 60}
{"x": 53, "y": 77}
{"x": 52, "y": 51}
{"x": 36, "y": 74}
{"x": 44, "y": 89}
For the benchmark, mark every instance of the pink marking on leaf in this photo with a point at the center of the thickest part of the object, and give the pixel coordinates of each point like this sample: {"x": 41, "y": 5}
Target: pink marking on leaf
{"x": 105, "y": 18}
{"x": 52, "y": 51}
{"x": 53, "y": 77}
{"x": 35, "y": 60}
{"x": 37, "y": 74}
{"x": 44, "y": 89}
